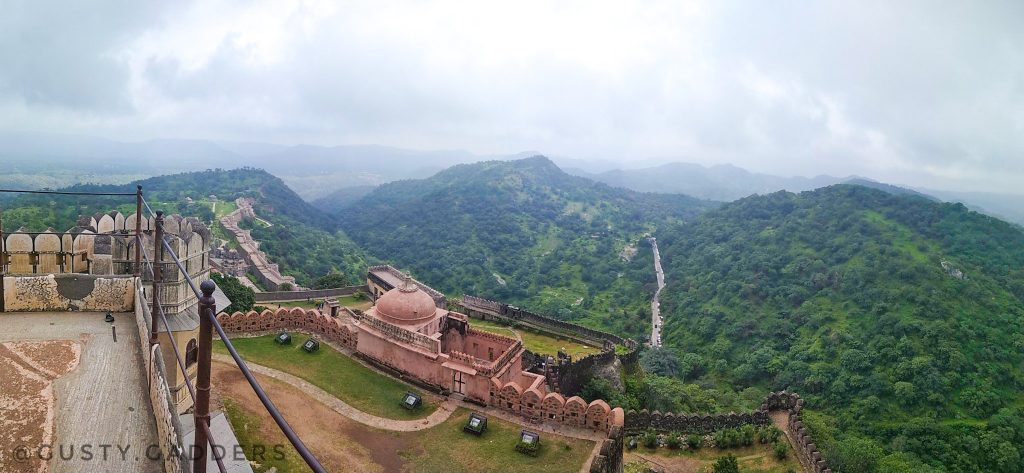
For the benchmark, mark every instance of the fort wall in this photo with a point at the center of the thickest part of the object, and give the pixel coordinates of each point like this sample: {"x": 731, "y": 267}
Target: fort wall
{"x": 62, "y": 292}
{"x": 281, "y": 296}
{"x": 268, "y": 273}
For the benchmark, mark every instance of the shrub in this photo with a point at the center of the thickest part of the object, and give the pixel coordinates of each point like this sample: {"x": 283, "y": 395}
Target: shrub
{"x": 768, "y": 434}
{"x": 673, "y": 441}
{"x": 780, "y": 449}
{"x": 726, "y": 464}
{"x": 650, "y": 440}
{"x": 693, "y": 441}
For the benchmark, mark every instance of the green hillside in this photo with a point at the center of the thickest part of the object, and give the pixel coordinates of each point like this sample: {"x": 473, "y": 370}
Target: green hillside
{"x": 304, "y": 240}
{"x": 525, "y": 232}
{"x": 841, "y": 294}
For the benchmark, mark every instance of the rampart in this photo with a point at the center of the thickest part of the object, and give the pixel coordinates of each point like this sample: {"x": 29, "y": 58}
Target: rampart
{"x": 609, "y": 459}
{"x": 478, "y": 306}
{"x": 565, "y": 376}
{"x": 280, "y": 296}
{"x": 295, "y": 318}
{"x": 803, "y": 445}
{"x": 268, "y": 273}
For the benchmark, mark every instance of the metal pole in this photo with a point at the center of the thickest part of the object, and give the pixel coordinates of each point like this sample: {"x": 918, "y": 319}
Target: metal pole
{"x": 3, "y": 261}
{"x": 138, "y": 231}
{"x": 158, "y": 257}
{"x": 207, "y": 310}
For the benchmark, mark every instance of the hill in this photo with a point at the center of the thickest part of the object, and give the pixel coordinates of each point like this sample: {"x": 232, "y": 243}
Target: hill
{"x": 336, "y": 201}
{"x": 303, "y": 240}
{"x": 522, "y": 231}
{"x": 721, "y": 182}
{"x": 897, "y": 318}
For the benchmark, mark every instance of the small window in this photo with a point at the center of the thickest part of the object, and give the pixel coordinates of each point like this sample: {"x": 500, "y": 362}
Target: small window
{"x": 191, "y": 353}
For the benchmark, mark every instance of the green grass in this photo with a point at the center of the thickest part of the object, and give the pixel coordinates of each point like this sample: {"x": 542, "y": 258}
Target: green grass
{"x": 334, "y": 372}
{"x": 535, "y": 341}
{"x": 446, "y": 448}
{"x": 252, "y": 440}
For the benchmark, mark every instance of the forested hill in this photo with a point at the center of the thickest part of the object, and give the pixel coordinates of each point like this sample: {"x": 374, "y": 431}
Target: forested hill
{"x": 900, "y": 320}
{"x": 303, "y": 240}
{"x": 520, "y": 231}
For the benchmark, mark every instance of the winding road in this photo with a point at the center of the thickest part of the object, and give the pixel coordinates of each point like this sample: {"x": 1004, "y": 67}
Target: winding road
{"x": 655, "y": 304}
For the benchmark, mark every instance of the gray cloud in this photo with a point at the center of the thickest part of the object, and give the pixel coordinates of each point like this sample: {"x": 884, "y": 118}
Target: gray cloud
{"x": 925, "y": 93}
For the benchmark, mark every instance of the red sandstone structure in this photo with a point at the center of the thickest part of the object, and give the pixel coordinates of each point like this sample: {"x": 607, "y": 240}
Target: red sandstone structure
{"x": 407, "y": 332}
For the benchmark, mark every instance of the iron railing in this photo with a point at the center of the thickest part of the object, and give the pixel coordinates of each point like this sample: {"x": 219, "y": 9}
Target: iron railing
{"x": 200, "y": 393}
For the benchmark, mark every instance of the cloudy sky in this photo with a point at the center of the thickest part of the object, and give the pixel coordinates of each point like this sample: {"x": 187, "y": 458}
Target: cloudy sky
{"x": 924, "y": 93}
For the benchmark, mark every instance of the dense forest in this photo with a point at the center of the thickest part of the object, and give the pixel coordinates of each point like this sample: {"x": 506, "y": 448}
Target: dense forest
{"x": 524, "y": 232}
{"x": 897, "y": 318}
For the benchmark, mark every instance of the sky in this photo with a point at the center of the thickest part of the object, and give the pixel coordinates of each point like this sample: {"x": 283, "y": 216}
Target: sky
{"x": 924, "y": 93}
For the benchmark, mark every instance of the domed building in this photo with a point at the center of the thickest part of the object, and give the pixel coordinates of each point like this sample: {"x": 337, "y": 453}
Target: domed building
{"x": 409, "y": 330}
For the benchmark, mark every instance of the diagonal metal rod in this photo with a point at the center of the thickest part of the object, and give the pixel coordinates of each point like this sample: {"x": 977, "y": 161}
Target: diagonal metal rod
{"x": 271, "y": 408}
{"x": 188, "y": 382}
{"x": 296, "y": 442}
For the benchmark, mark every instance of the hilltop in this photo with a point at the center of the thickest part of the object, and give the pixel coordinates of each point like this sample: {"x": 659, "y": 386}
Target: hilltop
{"x": 899, "y": 319}
{"x": 521, "y": 231}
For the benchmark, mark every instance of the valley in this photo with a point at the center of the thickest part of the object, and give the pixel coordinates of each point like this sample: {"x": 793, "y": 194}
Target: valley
{"x": 837, "y": 293}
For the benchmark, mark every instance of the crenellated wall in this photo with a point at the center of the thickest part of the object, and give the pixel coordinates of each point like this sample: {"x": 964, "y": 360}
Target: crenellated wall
{"x": 804, "y": 446}
{"x": 609, "y": 459}
{"x": 307, "y": 320}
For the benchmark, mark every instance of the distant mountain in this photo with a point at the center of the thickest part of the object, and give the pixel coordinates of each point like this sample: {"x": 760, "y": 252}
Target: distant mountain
{"x": 899, "y": 320}
{"x": 521, "y": 231}
{"x": 722, "y": 182}
{"x": 312, "y": 171}
{"x": 341, "y": 198}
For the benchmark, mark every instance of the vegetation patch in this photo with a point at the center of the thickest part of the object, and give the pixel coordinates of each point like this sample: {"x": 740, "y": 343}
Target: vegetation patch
{"x": 336, "y": 373}
{"x": 447, "y": 448}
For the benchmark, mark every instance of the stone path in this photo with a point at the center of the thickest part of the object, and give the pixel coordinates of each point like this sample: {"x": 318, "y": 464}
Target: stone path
{"x": 655, "y": 304}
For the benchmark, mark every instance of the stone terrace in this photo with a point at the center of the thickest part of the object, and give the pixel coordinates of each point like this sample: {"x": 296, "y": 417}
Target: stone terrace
{"x": 100, "y": 402}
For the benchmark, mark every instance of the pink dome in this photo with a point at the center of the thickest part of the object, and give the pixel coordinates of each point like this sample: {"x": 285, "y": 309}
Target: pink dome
{"x": 406, "y": 304}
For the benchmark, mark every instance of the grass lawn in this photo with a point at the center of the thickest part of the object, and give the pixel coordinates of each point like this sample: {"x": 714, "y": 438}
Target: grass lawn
{"x": 334, "y": 372}
{"x": 446, "y": 448}
{"x": 537, "y": 342}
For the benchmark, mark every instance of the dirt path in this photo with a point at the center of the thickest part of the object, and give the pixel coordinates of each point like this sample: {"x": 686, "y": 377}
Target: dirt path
{"x": 781, "y": 420}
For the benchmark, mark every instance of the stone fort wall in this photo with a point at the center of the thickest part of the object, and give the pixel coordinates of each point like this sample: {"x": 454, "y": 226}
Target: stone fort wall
{"x": 804, "y": 447}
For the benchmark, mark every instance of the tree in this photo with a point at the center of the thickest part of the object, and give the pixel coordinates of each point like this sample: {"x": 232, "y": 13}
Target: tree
{"x": 242, "y": 297}
{"x": 331, "y": 281}
{"x": 660, "y": 361}
{"x": 726, "y": 464}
